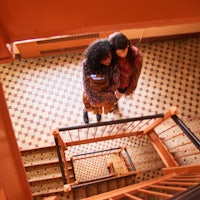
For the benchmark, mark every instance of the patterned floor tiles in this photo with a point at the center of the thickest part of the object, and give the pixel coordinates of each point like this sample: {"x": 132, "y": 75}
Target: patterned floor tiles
{"x": 45, "y": 92}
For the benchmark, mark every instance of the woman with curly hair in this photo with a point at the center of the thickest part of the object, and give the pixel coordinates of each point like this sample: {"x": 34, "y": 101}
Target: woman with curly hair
{"x": 100, "y": 79}
{"x": 130, "y": 61}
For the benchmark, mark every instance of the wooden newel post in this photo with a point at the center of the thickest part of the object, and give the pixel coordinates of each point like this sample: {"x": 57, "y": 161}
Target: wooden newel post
{"x": 55, "y": 132}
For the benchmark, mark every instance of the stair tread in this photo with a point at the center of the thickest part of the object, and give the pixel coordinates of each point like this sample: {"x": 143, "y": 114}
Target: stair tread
{"x": 41, "y": 162}
{"x": 47, "y": 192}
{"x": 39, "y": 172}
{"x": 39, "y": 155}
{"x": 46, "y": 186}
{"x": 45, "y": 177}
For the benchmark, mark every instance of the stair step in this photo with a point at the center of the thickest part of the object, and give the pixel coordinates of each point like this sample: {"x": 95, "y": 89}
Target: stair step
{"x": 80, "y": 193}
{"x": 43, "y": 173}
{"x": 60, "y": 195}
{"x": 112, "y": 185}
{"x": 121, "y": 182}
{"x": 39, "y": 156}
{"x": 45, "y": 177}
{"x": 102, "y": 187}
{"x": 35, "y": 173}
{"x": 48, "y": 193}
{"x": 41, "y": 162}
{"x": 88, "y": 189}
{"x": 129, "y": 180}
{"x": 91, "y": 190}
{"x": 46, "y": 186}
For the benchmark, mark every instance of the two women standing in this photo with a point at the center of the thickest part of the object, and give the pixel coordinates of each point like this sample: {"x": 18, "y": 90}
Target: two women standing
{"x": 114, "y": 63}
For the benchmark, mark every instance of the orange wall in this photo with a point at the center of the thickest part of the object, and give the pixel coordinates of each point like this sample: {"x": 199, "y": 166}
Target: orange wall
{"x": 21, "y": 20}
{"x": 34, "y": 18}
{"x": 13, "y": 178}
{"x": 29, "y": 19}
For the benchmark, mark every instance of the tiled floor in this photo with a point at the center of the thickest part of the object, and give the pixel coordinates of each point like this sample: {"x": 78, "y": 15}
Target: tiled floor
{"x": 46, "y": 92}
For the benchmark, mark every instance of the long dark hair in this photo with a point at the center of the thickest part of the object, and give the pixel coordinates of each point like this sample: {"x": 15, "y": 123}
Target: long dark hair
{"x": 120, "y": 41}
{"x": 97, "y": 51}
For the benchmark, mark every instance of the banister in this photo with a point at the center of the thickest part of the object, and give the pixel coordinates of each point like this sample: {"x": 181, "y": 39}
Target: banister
{"x": 130, "y": 160}
{"x": 182, "y": 169}
{"x": 100, "y": 151}
{"x": 60, "y": 161}
{"x": 55, "y": 133}
{"x": 119, "y": 121}
{"x": 187, "y": 131}
{"x": 167, "y": 114}
{"x": 190, "y": 194}
{"x": 60, "y": 148}
{"x": 172, "y": 166}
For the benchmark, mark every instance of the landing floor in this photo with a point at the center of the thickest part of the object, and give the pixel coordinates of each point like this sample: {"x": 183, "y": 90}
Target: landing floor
{"x": 45, "y": 92}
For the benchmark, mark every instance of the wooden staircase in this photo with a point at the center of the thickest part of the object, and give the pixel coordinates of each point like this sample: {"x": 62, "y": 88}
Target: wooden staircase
{"x": 44, "y": 175}
{"x": 43, "y": 172}
{"x": 164, "y": 187}
{"x": 45, "y": 179}
{"x": 49, "y": 177}
{"x": 92, "y": 188}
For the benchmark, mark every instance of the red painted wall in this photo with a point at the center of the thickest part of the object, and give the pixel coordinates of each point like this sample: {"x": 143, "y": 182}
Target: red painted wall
{"x": 34, "y": 18}
{"x": 29, "y": 19}
{"x": 21, "y": 20}
{"x": 13, "y": 181}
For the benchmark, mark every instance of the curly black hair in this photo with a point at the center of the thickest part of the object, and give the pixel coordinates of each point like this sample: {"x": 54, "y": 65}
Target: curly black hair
{"x": 97, "y": 51}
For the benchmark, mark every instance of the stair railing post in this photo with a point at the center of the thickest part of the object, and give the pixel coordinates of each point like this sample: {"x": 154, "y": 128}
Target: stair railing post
{"x": 55, "y": 133}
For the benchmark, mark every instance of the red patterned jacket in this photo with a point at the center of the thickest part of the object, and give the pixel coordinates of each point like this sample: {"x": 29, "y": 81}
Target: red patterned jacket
{"x": 129, "y": 73}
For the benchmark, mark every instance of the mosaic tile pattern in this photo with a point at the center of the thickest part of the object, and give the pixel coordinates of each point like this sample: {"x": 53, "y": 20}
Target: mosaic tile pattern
{"x": 86, "y": 169}
{"x": 45, "y": 92}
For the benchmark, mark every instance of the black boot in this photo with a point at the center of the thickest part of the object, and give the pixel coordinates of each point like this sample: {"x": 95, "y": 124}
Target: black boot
{"x": 98, "y": 116}
{"x": 85, "y": 117}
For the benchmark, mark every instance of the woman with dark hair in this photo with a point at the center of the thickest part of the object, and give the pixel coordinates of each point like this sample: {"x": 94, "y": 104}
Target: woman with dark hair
{"x": 130, "y": 61}
{"x": 100, "y": 79}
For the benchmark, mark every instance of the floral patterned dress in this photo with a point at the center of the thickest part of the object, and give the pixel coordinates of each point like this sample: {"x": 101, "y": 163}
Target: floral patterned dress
{"x": 100, "y": 101}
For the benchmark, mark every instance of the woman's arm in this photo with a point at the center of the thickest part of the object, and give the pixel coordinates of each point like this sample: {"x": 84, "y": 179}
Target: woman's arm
{"x": 136, "y": 72}
{"x": 115, "y": 79}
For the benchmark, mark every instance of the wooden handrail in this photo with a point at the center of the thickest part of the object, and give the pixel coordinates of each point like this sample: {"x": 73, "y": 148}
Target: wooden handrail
{"x": 163, "y": 152}
{"x": 178, "y": 183}
{"x": 180, "y": 189}
{"x": 167, "y": 187}
{"x": 130, "y": 196}
{"x": 55, "y": 133}
{"x": 104, "y": 138}
{"x": 167, "y": 114}
{"x": 190, "y": 194}
{"x": 61, "y": 156}
{"x": 119, "y": 121}
{"x": 187, "y": 132}
{"x": 159, "y": 194}
{"x": 182, "y": 169}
